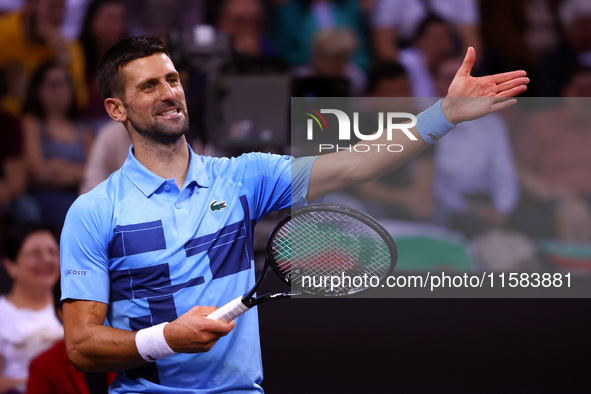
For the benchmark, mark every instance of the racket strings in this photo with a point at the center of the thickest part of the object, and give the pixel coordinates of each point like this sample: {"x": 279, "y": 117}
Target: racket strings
{"x": 324, "y": 245}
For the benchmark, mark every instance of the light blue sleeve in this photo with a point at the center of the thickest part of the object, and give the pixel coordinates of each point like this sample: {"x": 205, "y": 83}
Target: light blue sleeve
{"x": 300, "y": 180}
{"x": 275, "y": 181}
{"x": 84, "y": 263}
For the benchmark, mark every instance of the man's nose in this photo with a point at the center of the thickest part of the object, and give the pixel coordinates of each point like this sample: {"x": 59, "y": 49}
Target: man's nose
{"x": 166, "y": 92}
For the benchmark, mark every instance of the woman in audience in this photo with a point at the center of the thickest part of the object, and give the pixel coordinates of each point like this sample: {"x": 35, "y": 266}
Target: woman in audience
{"x": 28, "y": 325}
{"x": 104, "y": 25}
{"x": 56, "y": 143}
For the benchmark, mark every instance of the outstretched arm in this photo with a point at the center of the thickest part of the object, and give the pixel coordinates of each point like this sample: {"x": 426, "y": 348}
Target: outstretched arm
{"x": 468, "y": 98}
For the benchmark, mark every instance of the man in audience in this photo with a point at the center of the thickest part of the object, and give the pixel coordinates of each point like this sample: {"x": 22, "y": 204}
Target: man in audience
{"x": 431, "y": 45}
{"x": 394, "y": 22}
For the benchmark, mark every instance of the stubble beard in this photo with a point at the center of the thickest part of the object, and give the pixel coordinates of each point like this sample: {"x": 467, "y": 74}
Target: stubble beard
{"x": 163, "y": 134}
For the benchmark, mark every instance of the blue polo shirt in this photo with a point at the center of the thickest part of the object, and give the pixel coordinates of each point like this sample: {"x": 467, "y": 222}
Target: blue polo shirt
{"x": 152, "y": 252}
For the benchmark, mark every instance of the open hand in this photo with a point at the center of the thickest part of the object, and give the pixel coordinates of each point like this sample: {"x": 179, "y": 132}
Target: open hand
{"x": 471, "y": 97}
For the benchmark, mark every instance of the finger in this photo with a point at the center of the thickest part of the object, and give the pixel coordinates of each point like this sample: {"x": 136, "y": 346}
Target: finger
{"x": 503, "y": 104}
{"x": 468, "y": 63}
{"x": 511, "y": 84}
{"x": 513, "y": 91}
{"x": 504, "y": 77}
{"x": 220, "y": 328}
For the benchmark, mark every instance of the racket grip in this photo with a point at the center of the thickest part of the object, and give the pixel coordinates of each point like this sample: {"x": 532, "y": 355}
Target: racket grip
{"x": 230, "y": 311}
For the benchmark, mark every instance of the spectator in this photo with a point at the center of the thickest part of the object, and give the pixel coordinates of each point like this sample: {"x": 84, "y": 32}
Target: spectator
{"x": 476, "y": 185}
{"x": 104, "y": 25}
{"x": 331, "y": 58}
{"x": 52, "y": 372}
{"x": 555, "y": 167}
{"x": 28, "y": 324}
{"x": 56, "y": 142}
{"x": 395, "y": 23}
{"x": 573, "y": 52}
{"x": 388, "y": 79}
{"x": 160, "y": 17}
{"x": 30, "y": 37}
{"x": 530, "y": 30}
{"x": 243, "y": 20}
{"x": 431, "y": 45}
{"x": 297, "y": 22}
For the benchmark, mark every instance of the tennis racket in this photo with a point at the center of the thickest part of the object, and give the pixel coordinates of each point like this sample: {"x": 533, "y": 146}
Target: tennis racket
{"x": 321, "y": 250}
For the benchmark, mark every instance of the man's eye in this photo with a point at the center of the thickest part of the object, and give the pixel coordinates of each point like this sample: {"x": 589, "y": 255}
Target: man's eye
{"x": 149, "y": 86}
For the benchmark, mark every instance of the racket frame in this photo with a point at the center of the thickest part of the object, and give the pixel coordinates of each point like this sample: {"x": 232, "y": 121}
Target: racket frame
{"x": 341, "y": 209}
{"x": 249, "y": 300}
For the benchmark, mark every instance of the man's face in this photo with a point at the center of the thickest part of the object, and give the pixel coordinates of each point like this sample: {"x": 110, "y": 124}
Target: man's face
{"x": 154, "y": 99}
{"x": 241, "y": 17}
{"x": 436, "y": 41}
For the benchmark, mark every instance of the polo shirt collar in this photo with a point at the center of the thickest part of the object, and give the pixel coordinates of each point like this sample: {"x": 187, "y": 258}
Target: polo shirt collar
{"x": 148, "y": 182}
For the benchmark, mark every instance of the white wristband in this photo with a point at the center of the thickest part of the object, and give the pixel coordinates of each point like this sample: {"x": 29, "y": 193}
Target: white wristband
{"x": 151, "y": 344}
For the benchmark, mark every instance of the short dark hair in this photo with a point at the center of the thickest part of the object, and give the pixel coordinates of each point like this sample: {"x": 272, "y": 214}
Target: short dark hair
{"x": 430, "y": 19}
{"x": 15, "y": 235}
{"x": 125, "y": 51}
{"x": 385, "y": 70}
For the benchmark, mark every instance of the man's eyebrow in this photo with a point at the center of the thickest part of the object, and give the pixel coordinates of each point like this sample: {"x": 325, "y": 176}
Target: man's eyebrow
{"x": 155, "y": 80}
{"x": 146, "y": 81}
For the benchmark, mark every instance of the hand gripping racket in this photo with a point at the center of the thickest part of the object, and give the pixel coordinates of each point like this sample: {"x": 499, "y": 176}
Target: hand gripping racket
{"x": 321, "y": 250}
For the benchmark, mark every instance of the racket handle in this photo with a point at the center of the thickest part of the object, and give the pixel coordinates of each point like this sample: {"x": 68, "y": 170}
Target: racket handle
{"x": 230, "y": 311}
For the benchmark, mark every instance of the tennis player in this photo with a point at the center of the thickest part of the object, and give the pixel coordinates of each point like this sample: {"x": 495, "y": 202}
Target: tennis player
{"x": 172, "y": 229}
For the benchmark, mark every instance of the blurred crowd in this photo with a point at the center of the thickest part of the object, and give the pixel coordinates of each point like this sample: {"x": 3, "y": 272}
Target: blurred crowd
{"x": 525, "y": 169}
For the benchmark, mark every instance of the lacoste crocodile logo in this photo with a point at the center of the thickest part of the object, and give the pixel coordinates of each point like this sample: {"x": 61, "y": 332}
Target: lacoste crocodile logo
{"x": 432, "y": 136}
{"x": 215, "y": 206}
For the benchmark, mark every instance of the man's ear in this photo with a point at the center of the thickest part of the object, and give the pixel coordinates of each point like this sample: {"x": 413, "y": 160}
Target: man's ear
{"x": 115, "y": 109}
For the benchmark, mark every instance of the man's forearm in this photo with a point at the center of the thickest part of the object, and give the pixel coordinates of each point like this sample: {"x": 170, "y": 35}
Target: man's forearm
{"x": 94, "y": 347}
{"x": 91, "y": 345}
{"x": 335, "y": 171}
{"x": 101, "y": 349}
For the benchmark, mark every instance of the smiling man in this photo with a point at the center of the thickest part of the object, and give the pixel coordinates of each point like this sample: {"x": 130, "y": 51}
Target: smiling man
{"x": 172, "y": 229}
